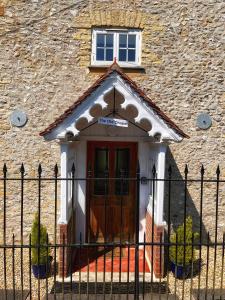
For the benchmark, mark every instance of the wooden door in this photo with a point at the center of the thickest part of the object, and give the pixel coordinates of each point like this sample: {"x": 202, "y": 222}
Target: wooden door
{"x": 111, "y": 190}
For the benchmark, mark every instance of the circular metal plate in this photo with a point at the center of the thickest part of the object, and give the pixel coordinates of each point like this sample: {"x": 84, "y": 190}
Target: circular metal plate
{"x": 204, "y": 121}
{"x": 18, "y": 118}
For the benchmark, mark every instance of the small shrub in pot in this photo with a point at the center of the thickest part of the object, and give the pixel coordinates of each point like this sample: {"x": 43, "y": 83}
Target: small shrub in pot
{"x": 181, "y": 256}
{"x": 40, "y": 258}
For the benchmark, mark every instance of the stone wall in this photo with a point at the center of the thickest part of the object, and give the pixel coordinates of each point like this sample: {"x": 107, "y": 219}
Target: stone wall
{"x": 44, "y": 58}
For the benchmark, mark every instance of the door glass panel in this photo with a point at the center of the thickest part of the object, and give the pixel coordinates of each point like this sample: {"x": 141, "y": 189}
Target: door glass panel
{"x": 101, "y": 186}
{"x": 122, "y": 171}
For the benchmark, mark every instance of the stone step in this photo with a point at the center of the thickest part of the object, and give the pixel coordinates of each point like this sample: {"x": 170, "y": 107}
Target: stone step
{"x": 108, "y": 287}
{"x": 12, "y": 295}
{"x": 152, "y": 296}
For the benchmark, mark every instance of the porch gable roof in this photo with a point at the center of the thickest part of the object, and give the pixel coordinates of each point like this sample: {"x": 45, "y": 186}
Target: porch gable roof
{"x": 114, "y": 68}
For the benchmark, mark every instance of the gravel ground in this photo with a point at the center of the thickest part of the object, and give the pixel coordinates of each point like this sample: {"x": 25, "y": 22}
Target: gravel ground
{"x": 175, "y": 286}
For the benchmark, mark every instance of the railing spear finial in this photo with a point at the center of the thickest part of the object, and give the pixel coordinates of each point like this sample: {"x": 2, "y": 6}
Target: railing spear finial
{"x": 186, "y": 169}
{"x": 56, "y": 170}
{"x": 73, "y": 169}
{"x": 22, "y": 169}
{"x": 39, "y": 169}
{"x": 202, "y": 170}
{"x": 4, "y": 169}
{"x": 218, "y": 171}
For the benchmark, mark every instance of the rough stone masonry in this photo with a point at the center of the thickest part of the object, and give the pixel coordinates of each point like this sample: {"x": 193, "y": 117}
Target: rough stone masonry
{"x": 44, "y": 59}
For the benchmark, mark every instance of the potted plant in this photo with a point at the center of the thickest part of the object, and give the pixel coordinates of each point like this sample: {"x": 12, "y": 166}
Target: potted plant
{"x": 181, "y": 256}
{"x": 40, "y": 258}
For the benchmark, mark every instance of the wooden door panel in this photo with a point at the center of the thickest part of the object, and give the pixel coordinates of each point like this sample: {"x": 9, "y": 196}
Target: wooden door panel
{"x": 111, "y": 202}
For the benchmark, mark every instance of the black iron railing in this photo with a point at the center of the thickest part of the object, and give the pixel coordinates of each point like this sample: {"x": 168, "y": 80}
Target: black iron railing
{"x": 91, "y": 265}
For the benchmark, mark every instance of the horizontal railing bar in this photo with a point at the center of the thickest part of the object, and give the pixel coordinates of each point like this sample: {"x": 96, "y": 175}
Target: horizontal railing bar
{"x": 107, "y": 178}
{"x": 85, "y": 245}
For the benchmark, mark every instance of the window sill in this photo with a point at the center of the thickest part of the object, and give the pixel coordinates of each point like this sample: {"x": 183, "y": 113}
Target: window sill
{"x": 127, "y": 69}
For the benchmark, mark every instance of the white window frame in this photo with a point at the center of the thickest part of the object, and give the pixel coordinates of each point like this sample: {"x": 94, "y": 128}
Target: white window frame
{"x": 116, "y": 33}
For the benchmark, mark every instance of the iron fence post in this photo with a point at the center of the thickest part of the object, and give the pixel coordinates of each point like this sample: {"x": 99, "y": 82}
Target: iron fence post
{"x": 136, "y": 290}
{"x": 4, "y": 227}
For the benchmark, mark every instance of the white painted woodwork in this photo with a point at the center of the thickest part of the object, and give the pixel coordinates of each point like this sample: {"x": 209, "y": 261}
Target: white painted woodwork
{"x": 131, "y": 98}
{"x": 64, "y": 184}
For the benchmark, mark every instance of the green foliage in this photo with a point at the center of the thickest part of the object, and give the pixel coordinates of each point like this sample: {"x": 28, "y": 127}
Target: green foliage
{"x": 183, "y": 256}
{"x": 43, "y": 252}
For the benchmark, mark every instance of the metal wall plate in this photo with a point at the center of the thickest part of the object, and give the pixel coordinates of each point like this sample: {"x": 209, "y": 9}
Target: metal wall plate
{"x": 18, "y": 118}
{"x": 204, "y": 121}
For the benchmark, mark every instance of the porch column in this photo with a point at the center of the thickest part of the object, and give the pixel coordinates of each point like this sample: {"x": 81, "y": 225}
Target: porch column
{"x": 156, "y": 230}
{"x": 160, "y": 184}
{"x": 64, "y": 184}
{"x": 64, "y": 220}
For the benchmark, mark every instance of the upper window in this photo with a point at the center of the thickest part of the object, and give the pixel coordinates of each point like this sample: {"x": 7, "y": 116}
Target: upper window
{"x": 124, "y": 45}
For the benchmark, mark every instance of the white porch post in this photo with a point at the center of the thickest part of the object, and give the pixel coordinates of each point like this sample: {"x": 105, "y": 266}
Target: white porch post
{"x": 160, "y": 184}
{"x": 64, "y": 184}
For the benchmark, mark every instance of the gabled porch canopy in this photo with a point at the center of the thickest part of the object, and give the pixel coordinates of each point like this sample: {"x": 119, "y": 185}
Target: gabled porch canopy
{"x": 160, "y": 127}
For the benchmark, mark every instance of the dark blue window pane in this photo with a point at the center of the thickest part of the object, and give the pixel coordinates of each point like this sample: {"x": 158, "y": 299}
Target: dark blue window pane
{"x": 100, "y": 40}
{"x": 100, "y": 54}
{"x": 122, "y": 55}
{"x": 109, "y": 54}
{"x": 131, "y": 55}
{"x": 131, "y": 41}
{"x": 109, "y": 40}
{"x": 123, "y": 41}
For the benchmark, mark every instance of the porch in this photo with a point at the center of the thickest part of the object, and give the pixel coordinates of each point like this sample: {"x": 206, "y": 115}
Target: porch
{"x": 113, "y": 143}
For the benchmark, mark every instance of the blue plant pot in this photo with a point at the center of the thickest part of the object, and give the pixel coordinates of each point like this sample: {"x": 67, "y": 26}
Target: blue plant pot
{"x": 41, "y": 271}
{"x": 179, "y": 271}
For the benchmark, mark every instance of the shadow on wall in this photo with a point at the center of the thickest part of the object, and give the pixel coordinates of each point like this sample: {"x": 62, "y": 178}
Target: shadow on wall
{"x": 177, "y": 199}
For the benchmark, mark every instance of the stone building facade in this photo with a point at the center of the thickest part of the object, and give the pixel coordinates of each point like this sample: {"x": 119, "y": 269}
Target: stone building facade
{"x": 45, "y": 63}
